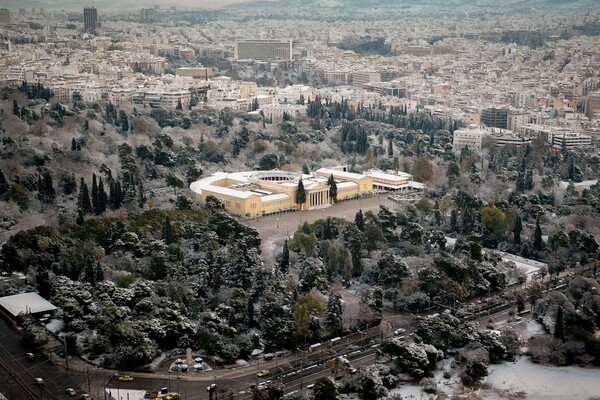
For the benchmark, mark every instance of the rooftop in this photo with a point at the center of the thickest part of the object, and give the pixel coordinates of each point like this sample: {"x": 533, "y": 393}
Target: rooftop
{"x": 27, "y": 303}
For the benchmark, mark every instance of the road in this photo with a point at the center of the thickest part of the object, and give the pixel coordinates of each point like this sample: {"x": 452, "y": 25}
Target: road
{"x": 19, "y": 374}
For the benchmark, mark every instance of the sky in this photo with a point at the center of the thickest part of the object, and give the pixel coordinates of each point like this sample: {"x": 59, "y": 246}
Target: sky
{"x": 108, "y": 4}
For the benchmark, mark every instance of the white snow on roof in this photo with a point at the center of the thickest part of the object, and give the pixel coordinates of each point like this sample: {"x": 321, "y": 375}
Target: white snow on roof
{"x": 340, "y": 174}
{"x": 276, "y": 196}
{"x": 27, "y": 303}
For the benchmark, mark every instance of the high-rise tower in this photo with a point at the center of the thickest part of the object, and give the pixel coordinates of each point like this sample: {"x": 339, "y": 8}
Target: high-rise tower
{"x": 89, "y": 20}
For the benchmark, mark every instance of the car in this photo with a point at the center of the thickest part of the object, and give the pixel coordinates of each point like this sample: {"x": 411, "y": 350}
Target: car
{"x": 125, "y": 378}
{"x": 262, "y": 373}
{"x": 71, "y": 392}
{"x": 85, "y": 396}
{"x": 39, "y": 381}
{"x": 352, "y": 370}
{"x": 518, "y": 318}
{"x": 30, "y": 356}
{"x": 399, "y": 331}
{"x": 212, "y": 386}
{"x": 198, "y": 360}
{"x": 269, "y": 356}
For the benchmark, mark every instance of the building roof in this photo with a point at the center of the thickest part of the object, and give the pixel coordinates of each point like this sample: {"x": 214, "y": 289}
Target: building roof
{"x": 27, "y": 303}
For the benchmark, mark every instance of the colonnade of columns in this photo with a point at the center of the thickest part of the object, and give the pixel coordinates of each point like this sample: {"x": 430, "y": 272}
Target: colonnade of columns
{"x": 320, "y": 198}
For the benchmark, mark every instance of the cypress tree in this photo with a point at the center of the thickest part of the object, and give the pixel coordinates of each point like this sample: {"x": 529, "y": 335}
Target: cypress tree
{"x": 300, "y": 194}
{"x": 4, "y": 186}
{"x": 332, "y": 188}
{"x": 73, "y": 144}
{"x": 559, "y": 332}
{"x": 359, "y": 220}
{"x": 283, "y": 259}
{"x": 517, "y": 230}
{"x": 111, "y": 194}
{"x": 168, "y": 233}
{"x": 46, "y": 192}
{"x": 102, "y": 200}
{"x": 538, "y": 242}
{"x": 84, "y": 198}
{"x": 95, "y": 200}
{"x": 118, "y": 195}
{"x": 80, "y": 218}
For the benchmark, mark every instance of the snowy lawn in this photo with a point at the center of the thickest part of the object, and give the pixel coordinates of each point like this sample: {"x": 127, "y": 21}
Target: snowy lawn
{"x": 524, "y": 379}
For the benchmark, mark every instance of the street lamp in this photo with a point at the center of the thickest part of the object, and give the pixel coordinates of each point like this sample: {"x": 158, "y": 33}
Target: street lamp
{"x": 277, "y": 223}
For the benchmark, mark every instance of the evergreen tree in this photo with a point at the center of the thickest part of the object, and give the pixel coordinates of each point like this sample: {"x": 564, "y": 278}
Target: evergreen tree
{"x": 517, "y": 230}
{"x": 528, "y": 179}
{"x": 283, "y": 259}
{"x": 142, "y": 195}
{"x": 123, "y": 121}
{"x": 16, "y": 109}
{"x": 80, "y": 219}
{"x": 95, "y": 199}
{"x": 168, "y": 231}
{"x": 300, "y": 194}
{"x": 538, "y": 242}
{"x": 359, "y": 220}
{"x": 102, "y": 200}
{"x": 559, "y": 332}
{"x": 179, "y": 105}
{"x": 84, "y": 202}
{"x": 305, "y": 169}
{"x": 437, "y": 214}
{"x": 454, "y": 221}
{"x": 46, "y": 191}
{"x": 118, "y": 198}
{"x": 4, "y": 186}
{"x": 73, "y": 144}
{"x": 332, "y": 188}
{"x": 333, "y": 314}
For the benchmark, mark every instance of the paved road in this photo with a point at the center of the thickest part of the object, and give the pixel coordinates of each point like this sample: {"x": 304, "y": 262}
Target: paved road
{"x": 18, "y": 373}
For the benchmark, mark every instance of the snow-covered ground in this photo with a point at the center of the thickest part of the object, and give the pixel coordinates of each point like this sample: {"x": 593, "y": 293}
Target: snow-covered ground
{"x": 123, "y": 394}
{"x": 580, "y": 185}
{"x": 524, "y": 379}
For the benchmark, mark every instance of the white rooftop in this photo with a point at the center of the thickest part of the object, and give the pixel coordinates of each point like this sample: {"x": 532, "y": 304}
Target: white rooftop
{"x": 26, "y": 303}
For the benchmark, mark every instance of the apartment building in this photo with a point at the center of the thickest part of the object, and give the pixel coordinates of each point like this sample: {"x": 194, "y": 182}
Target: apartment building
{"x": 516, "y": 119}
{"x": 470, "y": 137}
{"x": 4, "y": 16}
{"x": 495, "y": 117}
{"x": 263, "y": 49}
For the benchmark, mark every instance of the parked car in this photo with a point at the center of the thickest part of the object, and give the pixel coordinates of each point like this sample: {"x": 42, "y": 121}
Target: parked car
{"x": 399, "y": 331}
{"x": 30, "y": 356}
{"x": 125, "y": 378}
{"x": 39, "y": 381}
{"x": 212, "y": 386}
{"x": 85, "y": 396}
{"x": 71, "y": 392}
{"x": 262, "y": 373}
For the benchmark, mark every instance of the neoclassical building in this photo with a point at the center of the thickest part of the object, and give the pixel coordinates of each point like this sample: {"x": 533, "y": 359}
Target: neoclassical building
{"x": 255, "y": 193}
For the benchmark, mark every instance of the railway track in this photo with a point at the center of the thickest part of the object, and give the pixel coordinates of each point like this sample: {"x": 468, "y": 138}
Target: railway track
{"x": 8, "y": 363}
